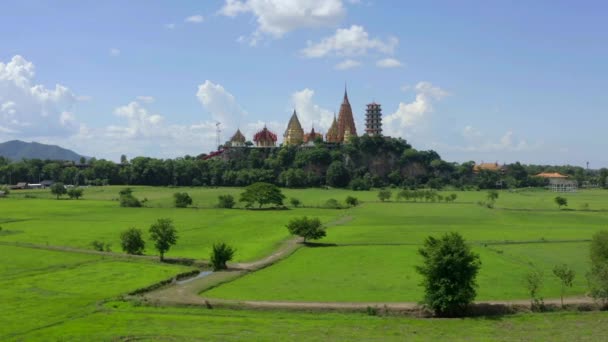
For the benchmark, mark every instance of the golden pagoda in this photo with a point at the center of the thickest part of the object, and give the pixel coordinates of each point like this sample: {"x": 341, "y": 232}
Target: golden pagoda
{"x": 294, "y": 134}
{"x": 238, "y": 139}
{"x": 332, "y": 133}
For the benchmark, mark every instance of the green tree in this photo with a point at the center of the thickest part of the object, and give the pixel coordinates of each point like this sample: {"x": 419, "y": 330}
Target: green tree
{"x": 58, "y": 189}
{"x": 598, "y": 277}
{"x": 263, "y": 194}
{"x": 75, "y": 193}
{"x": 384, "y": 195}
{"x": 533, "y": 281}
{"x": 492, "y": 196}
{"x": 132, "y": 242}
{"x": 352, "y": 201}
{"x": 182, "y": 199}
{"x": 295, "y": 202}
{"x": 561, "y": 202}
{"x": 225, "y": 201}
{"x": 337, "y": 175}
{"x": 164, "y": 235}
{"x": 566, "y": 276}
{"x": 309, "y": 229}
{"x": 449, "y": 270}
{"x": 127, "y": 199}
{"x": 220, "y": 255}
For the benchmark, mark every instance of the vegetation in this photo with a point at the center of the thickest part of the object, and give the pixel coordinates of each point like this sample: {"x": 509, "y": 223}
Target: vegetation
{"x": 182, "y": 199}
{"x": 222, "y": 253}
{"x": 384, "y": 195}
{"x": 164, "y": 235}
{"x": 75, "y": 193}
{"x": 534, "y": 283}
{"x": 58, "y": 189}
{"x": 561, "y": 201}
{"x": 262, "y": 194}
{"x": 226, "y": 201}
{"x": 352, "y": 201}
{"x": 101, "y": 246}
{"x": 566, "y": 276}
{"x": 127, "y": 199}
{"x": 295, "y": 202}
{"x": 308, "y": 228}
{"x": 598, "y": 277}
{"x": 132, "y": 241}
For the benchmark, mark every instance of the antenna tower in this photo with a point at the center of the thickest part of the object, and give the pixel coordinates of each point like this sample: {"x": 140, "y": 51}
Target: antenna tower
{"x": 218, "y": 130}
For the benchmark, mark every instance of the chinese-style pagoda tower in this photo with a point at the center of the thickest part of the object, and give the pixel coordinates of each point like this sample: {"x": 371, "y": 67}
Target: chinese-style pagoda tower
{"x": 238, "y": 139}
{"x": 373, "y": 119}
{"x": 345, "y": 119}
{"x": 312, "y": 136}
{"x": 332, "y": 133}
{"x": 294, "y": 134}
{"x": 265, "y": 138}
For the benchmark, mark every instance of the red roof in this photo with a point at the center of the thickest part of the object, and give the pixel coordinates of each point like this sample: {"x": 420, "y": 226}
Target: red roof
{"x": 550, "y": 175}
{"x": 264, "y": 135}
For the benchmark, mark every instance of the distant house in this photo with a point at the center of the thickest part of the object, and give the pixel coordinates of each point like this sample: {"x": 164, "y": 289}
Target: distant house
{"x": 34, "y": 186}
{"x": 495, "y": 167}
{"x": 47, "y": 183}
{"x": 559, "y": 182}
{"x": 20, "y": 186}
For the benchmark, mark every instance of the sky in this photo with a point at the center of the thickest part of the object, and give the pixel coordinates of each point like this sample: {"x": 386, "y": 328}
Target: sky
{"x": 487, "y": 81}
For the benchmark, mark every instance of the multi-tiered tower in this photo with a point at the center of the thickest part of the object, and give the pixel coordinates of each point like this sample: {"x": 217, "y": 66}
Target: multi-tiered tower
{"x": 294, "y": 134}
{"x": 346, "y": 122}
{"x": 373, "y": 119}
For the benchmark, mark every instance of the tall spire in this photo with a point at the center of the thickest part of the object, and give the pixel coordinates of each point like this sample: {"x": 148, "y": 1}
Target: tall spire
{"x": 345, "y": 118}
{"x": 345, "y": 95}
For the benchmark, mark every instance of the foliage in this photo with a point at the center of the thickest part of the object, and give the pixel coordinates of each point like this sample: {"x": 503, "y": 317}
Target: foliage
{"x": 359, "y": 184}
{"x": 164, "y": 235}
{"x": 352, "y": 201}
{"x": 262, "y": 193}
{"x": 337, "y": 175}
{"x": 101, "y": 246}
{"x": 308, "y": 228}
{"x": 132, "y": 242}
{"x": 566, "y": 276}
{"x": 221, "y": 254}
{"x": 561, "y": 201}
{"x": 598, "y": 277}
{"x": 295, "y": 202}
{"x": 384, "y": 195}
{"x": 127, "y": 199}
{"x": 182, "y": 199}
{"x": 449, "y": 270}
{"x": 5, "y": 189}
{"x": 332, "y": 203}
{"x": 58, "y": 189}
{"x": 533, "y": 281}
{"x": 75, "y": 193}
{"x": 226, "y": 201}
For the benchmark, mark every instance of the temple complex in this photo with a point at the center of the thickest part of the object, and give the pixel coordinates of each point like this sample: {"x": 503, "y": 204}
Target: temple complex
{"x": 373, "y": 119}
{"x": 312, "y": 136}
{"x": 238, "y": 139}
{"x": 294, "y": 134}
{"x": 265, "y": 138}
{"x": 345, "y": 119}
{"x": 332, "y": 133}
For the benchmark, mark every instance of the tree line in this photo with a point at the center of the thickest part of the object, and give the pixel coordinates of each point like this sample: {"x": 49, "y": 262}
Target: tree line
{"x": 364, "y": 163}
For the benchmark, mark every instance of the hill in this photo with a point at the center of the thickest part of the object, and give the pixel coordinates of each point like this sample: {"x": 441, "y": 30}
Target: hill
{"x": 16, "y": 150}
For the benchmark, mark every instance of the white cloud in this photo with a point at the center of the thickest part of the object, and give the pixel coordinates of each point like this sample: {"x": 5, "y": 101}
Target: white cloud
{"x": 347, "y": 64}
{"x": 114, "y": 52}
{"x": 170, "y": 26}
{"x": 275, "y": 18}
{"x": 411, "y": 114}
{"x": 309, "y": 113}
{"x": 220, "y": 103}
{"x": 28, "y": 109}
{"x": 388, "y": 63}
{"x": 145, "y": 99}
{"x": 351, "y": 41}
{"x": 195, "y": 19}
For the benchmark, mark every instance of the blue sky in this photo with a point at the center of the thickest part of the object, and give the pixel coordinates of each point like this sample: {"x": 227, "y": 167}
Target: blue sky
{"x": 474, "y": 80}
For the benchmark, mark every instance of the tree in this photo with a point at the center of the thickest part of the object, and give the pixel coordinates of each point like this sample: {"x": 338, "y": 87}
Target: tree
{"x": 182, "y": 199}
{"x": 492, "y": 196}
{"x": 295, "y": 202}
{"x": 262, "y": 193}
{"x": 58, "y": 189}
{"x": 566, "y": 276}
{"x": 75, "y": 193}
{"x": 337, "y": 175}
{"x": 225, "y": 201}
{"x": 384, "y": 195}
{"x": 598, "y": 277}
{"x": 127, "y": 199}
{"x": 561, "y": 201}
{"x": 449, "y": 270}
{"x": 352, "y": 201}
{"x": 164, "y": 235}
{"x": 309, "y": 229}
{"x": 132, "y": 242}
{"x": 220, "y": 255}
{"x": 534, "y": 283}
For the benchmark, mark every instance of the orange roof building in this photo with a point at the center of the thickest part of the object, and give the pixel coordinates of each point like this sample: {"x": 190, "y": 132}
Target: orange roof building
{"x": 551, "y": 175}
{"x": 488, "y": 167}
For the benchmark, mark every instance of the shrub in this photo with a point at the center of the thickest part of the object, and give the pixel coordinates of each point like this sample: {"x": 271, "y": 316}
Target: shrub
{"x": 221, "y": 254}
{"x": 352, "y": 201}
{"x": 566, "y": 276}
{"x": 309, "y": 229}
{"x": 182, "y": 199}
{"x": 561, "y": 202}
{"x": 449, "y": 271}
{"x": 129, "y": 201}
{"x": 598, "y": 277}
{"x": 225, "y": 201}
{"x": 58, "y": 189}
{"x": 295, "y": 202}
{"x": 132, "y": 242}
{"x": 75, "y": 193}
{"x": 332, "y": 203}
{"x": 384, "y": 195}
{"x": 359, "y": 184}
{"x": 534, "y": 283}
{"x": 6, "y": 190}
{"x": 101, "y": 246}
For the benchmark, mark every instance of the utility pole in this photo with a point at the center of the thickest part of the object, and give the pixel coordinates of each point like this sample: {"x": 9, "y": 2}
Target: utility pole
{"x": 217, "y": 135}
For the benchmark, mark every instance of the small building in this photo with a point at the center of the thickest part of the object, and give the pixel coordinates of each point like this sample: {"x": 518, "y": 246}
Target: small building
{"x": 265, "y": 138}
{"x": 294, "y": 134}
{"x": 494, "y": 167}
{"x": 559, "y": 182}
{"x": 20, "y": 186}
{"x": 47, "y": 183}
{"x": 238, "y": 139}
{"x": 35, "y": 186}
{"x": 373, "y": 119}
{"x": 312, "y": 136}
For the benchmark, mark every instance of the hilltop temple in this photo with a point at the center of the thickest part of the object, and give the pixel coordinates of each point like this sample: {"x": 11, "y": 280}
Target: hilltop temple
{"x": 341, "y": 130}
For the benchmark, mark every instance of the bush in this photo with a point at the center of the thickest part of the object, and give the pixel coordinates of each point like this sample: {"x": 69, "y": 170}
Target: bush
{"x": 226, "y": 201}
{"x": 449, "y": 271}
{"x": 182, "y": 199}
{"x": 561, "y": 202}
{"x": 534, "y": 283}
{"x": 332, "y": 203}
{"x": 309, "y": 229}
{"x": 101, "y": 246}
{"x": 6, "y": 190}
{"x": 352, "y": 201}
{"x": 295, "y": 202}
{"x": 598, "y": 277}
{"x": 384, "y": 195}
{"x": 58, "y": 189}
{"x": 359, "y": 184}
{"x": 75, "y": 193}
{"x": 221, "y": 254}
{"x": 132, "y": 242}
{"x": 129, "y": 201}
{"x": 566, "y": 277}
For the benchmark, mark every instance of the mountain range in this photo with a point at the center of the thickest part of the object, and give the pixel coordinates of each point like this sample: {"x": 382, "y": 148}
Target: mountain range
{"x": 17, "y": 150}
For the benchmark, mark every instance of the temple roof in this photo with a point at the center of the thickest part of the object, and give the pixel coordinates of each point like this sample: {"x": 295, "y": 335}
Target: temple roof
{"x": 238, "y": 137}
{"x": 264, "y": 135}
{"x": 294, "y": 123}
